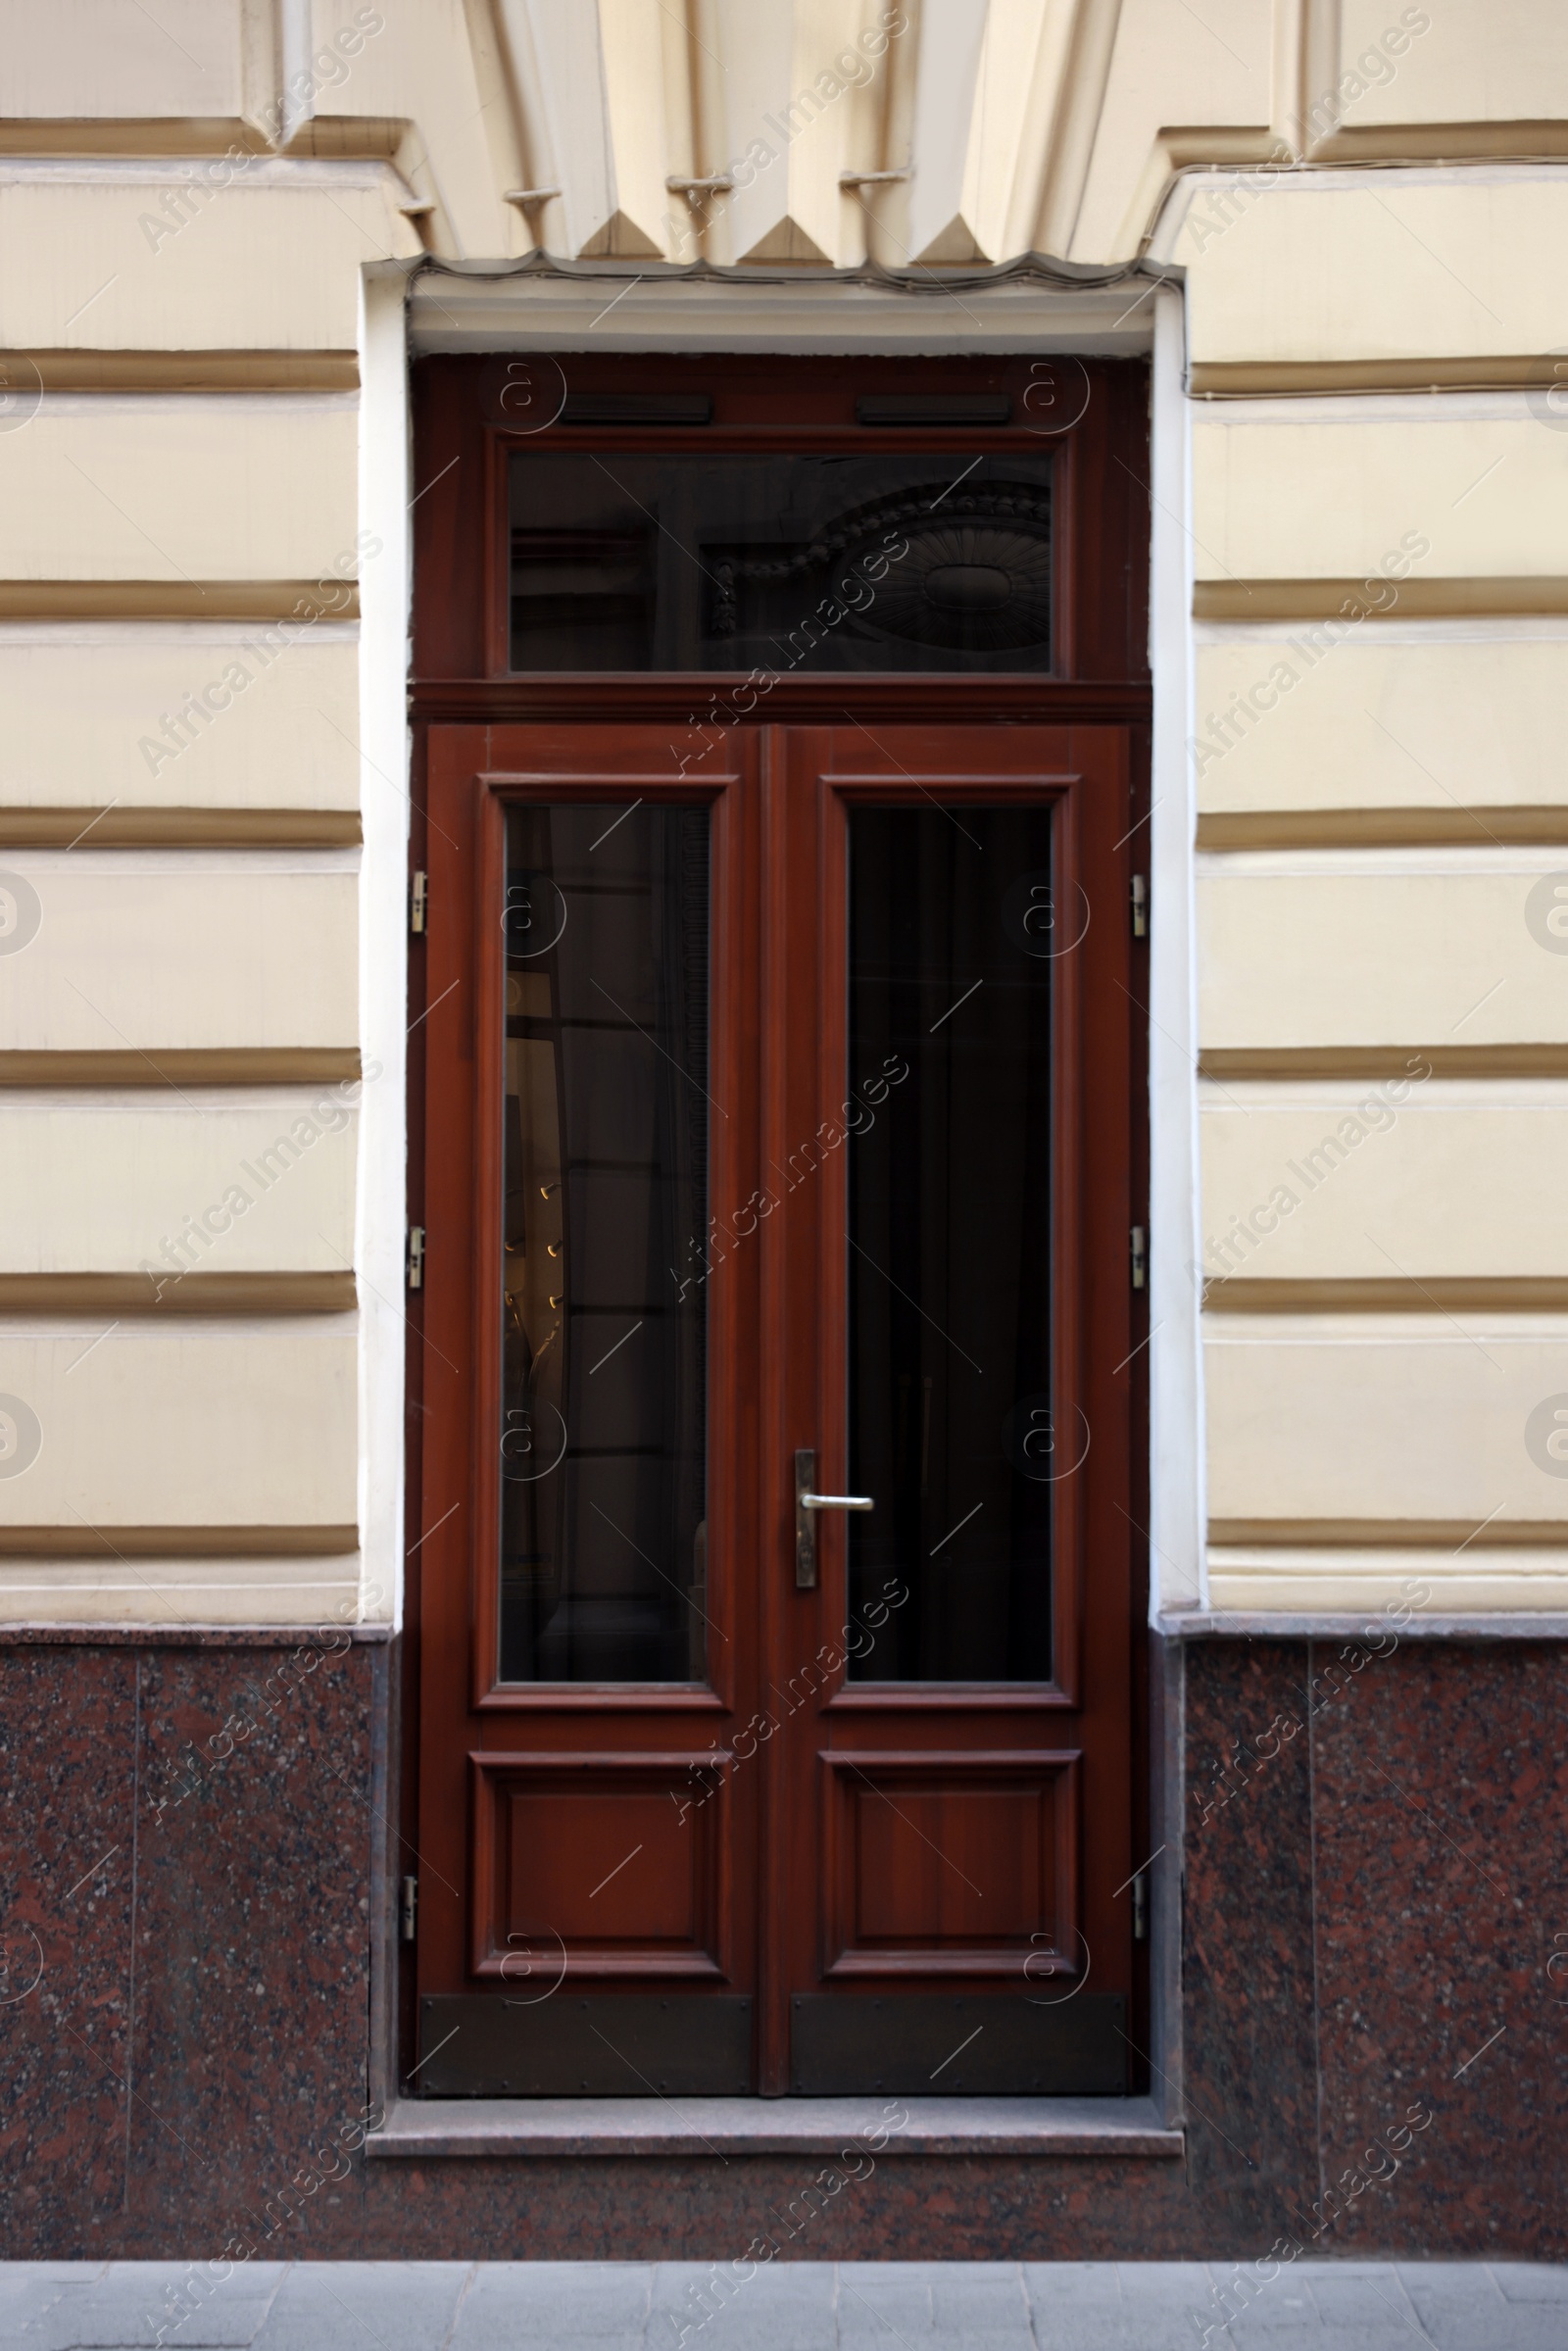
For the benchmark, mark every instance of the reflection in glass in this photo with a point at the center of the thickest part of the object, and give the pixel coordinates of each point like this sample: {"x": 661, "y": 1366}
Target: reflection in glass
{"x": 604, "y": 1372}
{"x": 741, "y": 562}
{"x": 954, "y": 931}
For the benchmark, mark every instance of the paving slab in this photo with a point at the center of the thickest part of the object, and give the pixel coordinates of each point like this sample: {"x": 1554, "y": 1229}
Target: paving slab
{"x": 1529, "y": 2281}
{"x": 135, "y": 2305}
{"x": 1311, "y": 2305}
{"x": 356, "y": 2305}
{"x": 779, "y": 2305}
{"x": 601, "y": 2304}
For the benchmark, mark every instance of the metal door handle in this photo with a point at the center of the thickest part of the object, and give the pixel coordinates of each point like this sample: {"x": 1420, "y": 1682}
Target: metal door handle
{"x": 805, "y": 1503}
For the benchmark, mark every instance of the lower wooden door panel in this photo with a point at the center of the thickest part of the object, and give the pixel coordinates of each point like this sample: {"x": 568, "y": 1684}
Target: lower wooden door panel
{"x": 946, "y": 1861}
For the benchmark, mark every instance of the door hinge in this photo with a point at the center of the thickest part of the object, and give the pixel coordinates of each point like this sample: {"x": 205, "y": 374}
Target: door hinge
{"x": 415, "y": 1256}
{"x": 410, "y": 1908}
{"x": 419, "y": 899}
{"x": 1140, "y": 905}
{"x": 1140, "y": 1906}
{"x": 1138, "y": 1241}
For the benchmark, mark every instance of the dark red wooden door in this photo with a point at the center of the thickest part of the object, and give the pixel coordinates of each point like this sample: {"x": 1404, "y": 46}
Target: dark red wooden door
{"x": 780, "y": 1132}
{"x": 947, "y": 1322}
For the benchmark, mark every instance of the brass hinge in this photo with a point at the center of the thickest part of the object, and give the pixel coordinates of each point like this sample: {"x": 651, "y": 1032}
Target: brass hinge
{"x": 1140, "y": 905}
{"x": 419, "y": 895}
{"x": 415, "y": 1256}
{"x": 1139, "y": 1252}
{"x": 410, "y": 1907}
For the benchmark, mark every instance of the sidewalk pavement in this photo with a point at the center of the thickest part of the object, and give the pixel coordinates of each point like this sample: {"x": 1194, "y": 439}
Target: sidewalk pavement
{"x": 788, "y": 2306}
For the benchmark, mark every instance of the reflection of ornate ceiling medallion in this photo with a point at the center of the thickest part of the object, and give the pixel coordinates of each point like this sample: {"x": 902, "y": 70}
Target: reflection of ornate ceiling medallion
{"x": 975, "y": 577}
{"x": 979, "y": 587}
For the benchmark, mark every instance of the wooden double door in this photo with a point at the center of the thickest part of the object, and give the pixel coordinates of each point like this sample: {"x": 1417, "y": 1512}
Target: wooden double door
{"x": 780, "y": 1154}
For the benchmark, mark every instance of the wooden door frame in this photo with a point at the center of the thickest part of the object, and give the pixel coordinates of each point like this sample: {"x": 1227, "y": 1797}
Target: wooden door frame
{"x": 1101, "y": 567}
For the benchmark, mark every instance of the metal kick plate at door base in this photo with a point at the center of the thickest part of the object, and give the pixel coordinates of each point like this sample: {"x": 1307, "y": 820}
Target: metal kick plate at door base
{"x": 609, "y": 2045}
{"x": 935, "y": 2045}
{"x": 807, "y": 1506}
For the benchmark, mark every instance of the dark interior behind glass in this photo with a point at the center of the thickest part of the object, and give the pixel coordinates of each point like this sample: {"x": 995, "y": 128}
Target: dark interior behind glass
{"x": 603, "y": 1355}
{"x": 953, "y": 932}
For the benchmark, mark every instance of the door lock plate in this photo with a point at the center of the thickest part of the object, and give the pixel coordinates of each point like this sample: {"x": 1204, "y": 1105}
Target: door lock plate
{"x": 804, "y": 1521}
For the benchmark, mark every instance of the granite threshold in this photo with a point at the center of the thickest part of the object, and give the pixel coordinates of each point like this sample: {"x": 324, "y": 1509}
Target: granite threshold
{"x": 422, "y": 2128}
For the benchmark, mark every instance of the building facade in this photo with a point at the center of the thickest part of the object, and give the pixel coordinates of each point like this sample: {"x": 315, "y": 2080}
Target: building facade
{"x": 1233, "y": 337}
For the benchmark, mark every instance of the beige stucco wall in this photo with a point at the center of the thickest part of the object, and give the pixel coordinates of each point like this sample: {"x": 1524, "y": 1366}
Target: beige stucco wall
{"x": 1363, "y": 204}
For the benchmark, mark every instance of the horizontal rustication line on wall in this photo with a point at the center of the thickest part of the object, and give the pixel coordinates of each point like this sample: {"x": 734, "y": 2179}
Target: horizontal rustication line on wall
{"x": 121, "y": 827}
{"x": 81, "y": 1542}
{"x": 176, "y": 599}
{"x": 187, "y": 1066}
{"x": 1290, "y": 1062}
{"x": 122, "y": 1294}
{"x": 1416, "y": 599}
{"x": 1524, "y": 1294}
{"x": 1254, "y": 379}
{"x": 1370, "y": 828}
{"x": 1388, "y": 1534}
{"x": 350, "y": 137}
{"x": 185, "y": 370}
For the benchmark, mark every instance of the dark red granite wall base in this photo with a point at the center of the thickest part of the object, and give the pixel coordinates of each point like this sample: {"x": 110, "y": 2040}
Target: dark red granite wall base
{"x": 1375, "y": 1986}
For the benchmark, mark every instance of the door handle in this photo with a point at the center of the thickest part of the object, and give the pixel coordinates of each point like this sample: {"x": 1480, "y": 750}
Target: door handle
{"x": 806, "y": 1504}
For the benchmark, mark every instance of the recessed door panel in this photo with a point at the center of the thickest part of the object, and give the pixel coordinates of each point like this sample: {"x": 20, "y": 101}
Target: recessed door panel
{"x": 948, "y": 1863}
{"x": 603, "y": 1865}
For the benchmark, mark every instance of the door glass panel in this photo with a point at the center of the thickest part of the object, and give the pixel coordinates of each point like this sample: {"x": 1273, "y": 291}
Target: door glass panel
{"x": 777, "y": 563}
{"x": 953, "y": 934}
{"x": 604, "y": 1354}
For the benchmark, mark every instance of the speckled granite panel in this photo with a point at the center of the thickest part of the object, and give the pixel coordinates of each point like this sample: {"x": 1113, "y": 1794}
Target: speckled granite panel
{"x": 68, "y": 1864}
{"x": 201, "y": 2014}
{"x": 252, "y": 1929}
{"x": 1372, "y": 1866}
{"x": 1441, "y": 1807}
{"x": 1247, "y": 1957}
